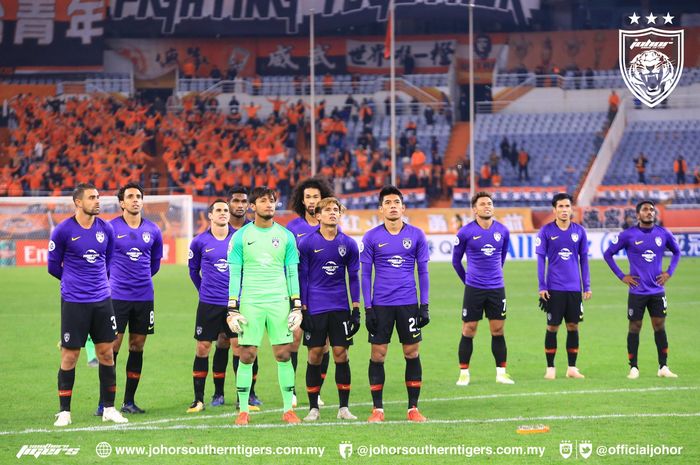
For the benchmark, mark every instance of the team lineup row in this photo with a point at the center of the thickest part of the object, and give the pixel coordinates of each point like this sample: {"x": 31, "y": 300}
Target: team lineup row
{"x": 257, "y": 276}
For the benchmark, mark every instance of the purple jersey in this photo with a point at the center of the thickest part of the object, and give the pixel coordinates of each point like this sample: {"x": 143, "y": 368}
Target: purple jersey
{"x": 645, "y": 251}
{"x": 300, "y": 228}
{"x": 80, "y": 258}
{"x": 322, "y": 268}
{"x": 209, "y": 267}
{"x": 566, "y": 254}
{"x": 137, "y": 254}
{"x": 486, "y": 251}
{"x": 394, "y": 258}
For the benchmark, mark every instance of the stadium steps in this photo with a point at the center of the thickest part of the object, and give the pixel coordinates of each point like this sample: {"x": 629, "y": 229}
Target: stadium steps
{"x": 458, "y": 144}
{"x": 302, "y": 147}
{"x": 418, "y": 93}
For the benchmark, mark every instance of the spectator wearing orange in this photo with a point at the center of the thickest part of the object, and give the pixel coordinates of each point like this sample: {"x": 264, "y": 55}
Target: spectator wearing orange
{"x": 328, "y": 84}
{"x": 640, "y": 164}
{"x": 450, "y": 180}
{"x": 485, "y": 175}
{"x": 523, "y": 162}
{"x": 417, "y": 159}
{"x": 277, "y": 104}
{"x": 257, "y": 85}
{"x": 680, "y": 167}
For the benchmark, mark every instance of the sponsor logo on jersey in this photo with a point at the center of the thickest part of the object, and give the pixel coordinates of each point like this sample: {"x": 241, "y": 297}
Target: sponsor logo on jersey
{"x": 396, "y": 261}
{"x": 120, "y": 236}
{"x": 52, "y": 246}
{"x": 221, "y": 265}
{"x": 91, "y": 256}
{"x": 74, "y": 238}
{"x": 382, "y": 244}
{"x": 565, "y": 253}
{"x": 638, "y": 242}
{"x": 134, "y": 254}
{"x": 488, "y": 250}
{"x": 330, "y": 268}
{"x": 649, "y": 256}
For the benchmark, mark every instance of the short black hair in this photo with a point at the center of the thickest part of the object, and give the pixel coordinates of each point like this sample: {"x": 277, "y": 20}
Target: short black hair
{"x": 131, "y": 185}
{"x": 262, "y": 191}
{"x": 211, "y": 205}
{"x": 478, "y": 195}
{"x": 238, "y": 190}
{"x": 561, "y": 196}
{"x": 81, "y": 188}
{"x": 317, "y": 182}
{"x": 638, "y": 208}
{"x": 389, "y": 190}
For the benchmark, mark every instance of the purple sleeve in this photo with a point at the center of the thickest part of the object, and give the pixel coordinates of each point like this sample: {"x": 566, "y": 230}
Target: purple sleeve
{"x": 506, "y": 246}
{"x": 423, "y": 282}
{"x": 583, "y": 258}
{"x": 457, "y": 253}
{"x": 303, "y": 273}
{"x": 614, "y": 248}
{"x": 195, "y": 264}
{"x": 541, "y": 263}
{"x": 367, "y": 284}
{"x": 673, "y": 247}
{"x": 353, "y": 267}
{"x": 156, "y": 252}
{"x": 110, "y": 246}
{"x": 56, "y": 251}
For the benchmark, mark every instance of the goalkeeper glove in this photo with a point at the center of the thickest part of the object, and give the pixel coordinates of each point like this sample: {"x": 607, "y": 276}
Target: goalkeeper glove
{"x": 234, "y": 319}
{"x": 423, "y": 316}
{"x": 371, "y": 321}
{"x": 354, "y": 320}
{"x": 295, "y": 318}
{"x": 307, "y": 324}
{"x": 543, "y": 305}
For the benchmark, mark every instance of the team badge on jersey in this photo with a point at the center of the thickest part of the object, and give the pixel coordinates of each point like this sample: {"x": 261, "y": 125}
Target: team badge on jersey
{"x": 100, "y": 236}
{"x": 658, "y": 241}
{"x": 275, "y": 242}
{"x": 407, "y": 243}
{"x": 651, "y": 59}
{"x": 146, "y": 237}
{"x": 574, "y": 237}
{"x": 342, "y": 250}
{"x": 497, "y": 236}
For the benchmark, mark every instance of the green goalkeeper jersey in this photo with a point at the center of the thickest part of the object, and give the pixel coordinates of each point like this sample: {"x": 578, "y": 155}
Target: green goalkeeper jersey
{"x": 263, "y": 264}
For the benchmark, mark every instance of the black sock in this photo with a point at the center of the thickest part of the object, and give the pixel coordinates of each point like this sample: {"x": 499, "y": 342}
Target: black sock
{"x": 499, "y": 350}
{"x": 414, "y": 378}
{"x": 66, "y": 380}
{"x": 134, "y": 364}
{"x": 661, "y": 346}
{"x": 632, "y": 348}
{"x": 342, "y": 381}
{"x": 115, "y": 358}
{"x": 313, "y": 383}
{"x": 376, "y": 382}
{"x": 108, "y": 384}
{"x": 466, "y": 347}
{"x": 218, "y": 368}
{"x": 550, "y": 346}
{"x": 572, "y": 346}
{"x": 324, "y": 366}
{"x": 255, "y": 377}
{"x": 295, "y": 358}
{"x": 236, "y": 361}
{"x": 200, "y": 370}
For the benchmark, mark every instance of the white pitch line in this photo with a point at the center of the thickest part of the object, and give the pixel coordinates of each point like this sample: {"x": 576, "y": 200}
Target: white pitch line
{"x": 146, "y": 425}
{"x": 138, "y": 426}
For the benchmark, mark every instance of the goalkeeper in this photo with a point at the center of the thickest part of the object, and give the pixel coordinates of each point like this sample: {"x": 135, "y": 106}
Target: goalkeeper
{"x": 263, "y": 261}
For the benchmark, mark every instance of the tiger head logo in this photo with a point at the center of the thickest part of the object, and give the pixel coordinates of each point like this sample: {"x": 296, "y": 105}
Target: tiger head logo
{"x": 651, "y": 62}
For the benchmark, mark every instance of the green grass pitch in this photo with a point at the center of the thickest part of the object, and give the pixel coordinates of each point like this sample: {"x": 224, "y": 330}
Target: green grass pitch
{"x": 606, "y": 408}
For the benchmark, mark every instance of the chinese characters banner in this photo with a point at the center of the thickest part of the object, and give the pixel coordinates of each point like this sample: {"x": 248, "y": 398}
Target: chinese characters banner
{"x": 45, "y": 35}
{"x": 429, "y": 56}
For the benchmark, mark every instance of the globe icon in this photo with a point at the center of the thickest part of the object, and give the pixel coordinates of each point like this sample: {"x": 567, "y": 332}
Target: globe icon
{"x": 103, "y": 450}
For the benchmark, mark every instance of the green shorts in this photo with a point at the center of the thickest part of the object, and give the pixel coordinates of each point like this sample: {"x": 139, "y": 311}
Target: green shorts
{"x": 269, "y": 315}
